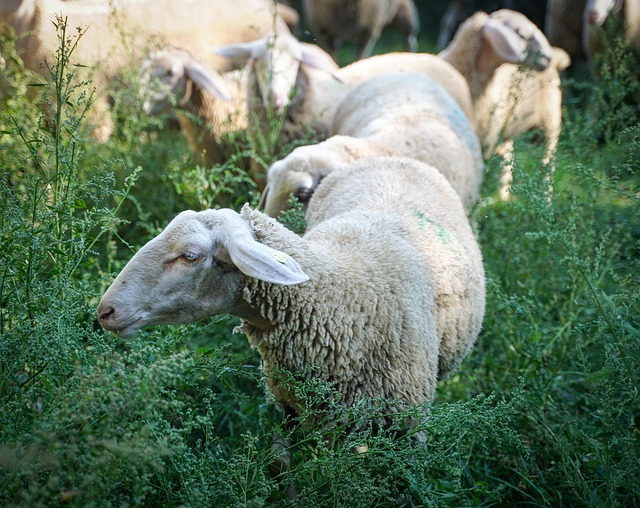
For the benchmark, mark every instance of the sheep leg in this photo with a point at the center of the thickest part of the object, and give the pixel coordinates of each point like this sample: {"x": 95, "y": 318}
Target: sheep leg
{"x": 549, "y": 162}
{"x": 506, "y": 151}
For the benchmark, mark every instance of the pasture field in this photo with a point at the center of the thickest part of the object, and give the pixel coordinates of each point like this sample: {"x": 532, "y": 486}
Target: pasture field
{"x": 544, "y": 411}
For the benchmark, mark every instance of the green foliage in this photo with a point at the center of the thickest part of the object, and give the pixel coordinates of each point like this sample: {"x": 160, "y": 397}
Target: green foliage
{"x": 543, "y": 412}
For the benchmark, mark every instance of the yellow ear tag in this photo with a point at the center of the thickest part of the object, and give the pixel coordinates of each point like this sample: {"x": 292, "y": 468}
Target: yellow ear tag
{"x": 280, "y": 257}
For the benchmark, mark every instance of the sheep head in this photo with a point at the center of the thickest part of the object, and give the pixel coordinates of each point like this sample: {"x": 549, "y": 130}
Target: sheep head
{"x": 300, "y": 172}
{"x": 170, "y": 75}
{"x": 192, "y": 270}
{"x": 275, "y": 61}
{"x": 515, "y": 39}
{"x": 596, "y": 12}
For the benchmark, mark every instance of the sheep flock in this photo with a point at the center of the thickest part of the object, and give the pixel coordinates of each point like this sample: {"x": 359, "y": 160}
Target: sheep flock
{"x": 383, "y": 294}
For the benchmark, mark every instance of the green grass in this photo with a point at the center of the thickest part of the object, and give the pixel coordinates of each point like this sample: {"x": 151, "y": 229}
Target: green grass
{"x": 543, "y": 412}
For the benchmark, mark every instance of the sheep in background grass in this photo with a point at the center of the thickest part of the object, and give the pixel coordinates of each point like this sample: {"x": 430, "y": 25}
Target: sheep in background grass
{"x": 596, "y": 13}
{"x": 209, "y": 106}
{"x": 513, "y": 76}
{"x": 361, "y": 21}
{"x": 288, "y": 82}
{"x": 385, "y": 286}
{"x": 403, "y": 114}
{"x": 118, "y": 33}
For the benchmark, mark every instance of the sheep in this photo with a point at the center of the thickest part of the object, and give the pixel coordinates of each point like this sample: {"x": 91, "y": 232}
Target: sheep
{"x": 287, "y": 69}
{"x": 498, "y": 55}
{"x": 596, "y": 12}
{"x": 290, "y": 80}
{"x": 403, "y": 114}
{"x": 563, "y": 27}
{"x": 209, "y": 106}
{"x": 381, "y": 297}
{"x": 361, "y": 21}
{"x": 116, "y": 35}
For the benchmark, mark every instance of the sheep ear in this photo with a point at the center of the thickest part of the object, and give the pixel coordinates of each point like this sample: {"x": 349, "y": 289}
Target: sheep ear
{"x": 504, "y": 41}
{"x": 240, "y": 50}
{"x": 317, "y": 61}
{"x": 208, "y": 80}
{"x": 264, "y": 263}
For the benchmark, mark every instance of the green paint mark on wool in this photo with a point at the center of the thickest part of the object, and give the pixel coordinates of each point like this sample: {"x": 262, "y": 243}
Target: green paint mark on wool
{"x": 423, "y": 220}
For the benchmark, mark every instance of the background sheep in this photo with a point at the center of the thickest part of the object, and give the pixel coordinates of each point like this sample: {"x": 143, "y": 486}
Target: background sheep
{"x": 403, "y": 114}
{"x": 288, "y": 82}
{"x": 361, "y": 21}
{"x": 491, "y": 52}
{"x": 287, "y": 70}
{"x": 596, "y": 13}
{"x": 118, "y": 33}
{"x": 354, "y": 298}
{"x": 208, "y": 106}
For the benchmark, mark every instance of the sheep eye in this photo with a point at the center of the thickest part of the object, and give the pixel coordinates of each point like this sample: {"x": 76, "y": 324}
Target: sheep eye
{"x": 303, "y": 194}
{"x": 190, "y": 256}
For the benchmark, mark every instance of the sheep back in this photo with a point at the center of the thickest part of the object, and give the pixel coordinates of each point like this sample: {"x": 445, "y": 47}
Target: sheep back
{"x": 415, "y": 116}
{"x": 423, "y": 63}
{"x": 431, "y": 210}
{"x": 365, "y": 320}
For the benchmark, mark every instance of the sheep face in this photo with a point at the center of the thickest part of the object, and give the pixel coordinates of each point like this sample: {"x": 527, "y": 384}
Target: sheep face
{"x": 299, "y": 174}
{"x": 517, "y": 40}
{"x": 192, "y": 270}
{"x": 170, "y": 76}
{"x": 276, "y": 70}
{"x": 275, "y": 62}
{"x": 597, "y": 11}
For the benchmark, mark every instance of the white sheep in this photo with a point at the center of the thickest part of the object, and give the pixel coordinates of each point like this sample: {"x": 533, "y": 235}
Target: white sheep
{"x": 209, "y": 106}
{"x": 361, "y": 21}
{"x": 596, "y": 12}
{"x": 304, "y": 87}
{"x": 403, "y": 114}
{"x": 513, "y": 76}
{"x": 118, "y": 33}
{"x": 379, "y": 291}
{"x": 290, "y": 84}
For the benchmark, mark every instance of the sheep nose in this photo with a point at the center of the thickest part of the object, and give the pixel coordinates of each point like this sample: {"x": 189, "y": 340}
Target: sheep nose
{"x": 593, "y": 17}
{"x": 278, "y": 102}
{"x": 105, "y": 314}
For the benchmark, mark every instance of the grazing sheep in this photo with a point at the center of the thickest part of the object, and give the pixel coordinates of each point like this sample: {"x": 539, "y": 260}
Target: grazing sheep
{"x": 361, "y": 21}
{"x": 403, "y": 114}
{"x": 563, "y": 26}
{"x": 285, "y": 80}
{"x": 208, "y": 106}
{"x": 119, "y": 33}
{"x": 290, "y": 81}
{"x": 387, "y": 283}
{"x": 596, "y": 12}
{"x": 513, "y": 78}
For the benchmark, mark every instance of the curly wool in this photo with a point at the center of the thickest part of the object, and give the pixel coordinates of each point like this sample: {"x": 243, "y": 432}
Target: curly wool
{"x": 362, "y": 322}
